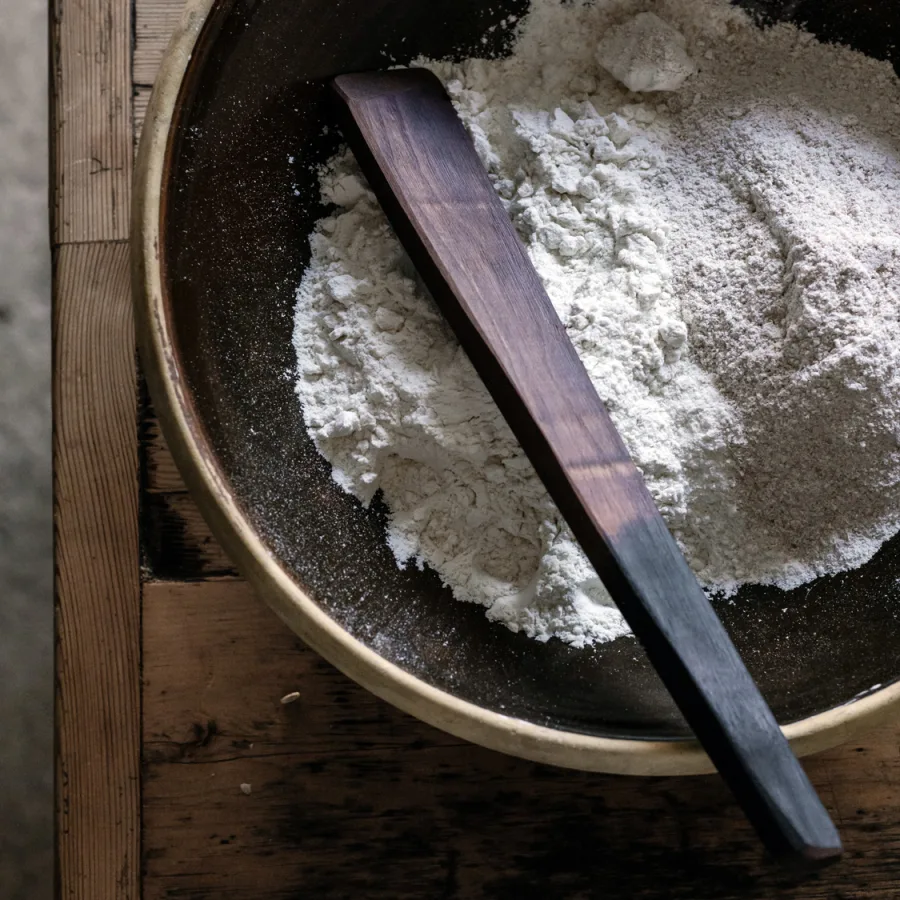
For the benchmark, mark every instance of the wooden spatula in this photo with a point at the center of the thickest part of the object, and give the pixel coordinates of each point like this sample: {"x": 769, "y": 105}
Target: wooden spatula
{"x": 422, "y": 165}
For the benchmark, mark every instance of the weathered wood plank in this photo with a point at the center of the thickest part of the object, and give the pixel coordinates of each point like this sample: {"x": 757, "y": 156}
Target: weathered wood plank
{"x": 349, "y": 797}
{"x": 177, "y": 542}
{"x": 139, "y": 103}
{"x": 155, "y": 20}
{"x": 175, "y": 539}
{"x": 160, "y": 475}
{"x": 91, "y": 131}
{"x": 97, "y": 575}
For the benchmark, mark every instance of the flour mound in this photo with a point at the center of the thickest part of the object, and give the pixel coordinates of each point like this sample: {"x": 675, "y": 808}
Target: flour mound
{"x": 725, "y": 259}
{"x": 645, "y": 54}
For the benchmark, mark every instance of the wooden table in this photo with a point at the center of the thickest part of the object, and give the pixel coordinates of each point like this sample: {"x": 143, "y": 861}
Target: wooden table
{"x": 180, "y": 774}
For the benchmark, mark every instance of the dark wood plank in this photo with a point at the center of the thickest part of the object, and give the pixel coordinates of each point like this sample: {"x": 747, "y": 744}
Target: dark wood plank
{"x": 176, "y": 542}
{"x": 159, "y": 474}
{"x": 422, "y": 165}
{"x": 349, "y": 797}
{"x": 91, "y": 132}
{"x": 97, "y": 575}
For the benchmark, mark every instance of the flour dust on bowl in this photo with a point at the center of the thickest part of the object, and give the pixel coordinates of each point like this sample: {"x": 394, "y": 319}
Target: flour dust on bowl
{"x": 229, "y": 190}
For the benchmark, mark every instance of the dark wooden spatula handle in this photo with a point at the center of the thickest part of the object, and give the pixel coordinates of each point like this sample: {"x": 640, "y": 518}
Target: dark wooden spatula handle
{"x": 423, "y": 167}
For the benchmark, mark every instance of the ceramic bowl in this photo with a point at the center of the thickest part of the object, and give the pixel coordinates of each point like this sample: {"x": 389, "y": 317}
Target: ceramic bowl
{"x": 226, "y": 194}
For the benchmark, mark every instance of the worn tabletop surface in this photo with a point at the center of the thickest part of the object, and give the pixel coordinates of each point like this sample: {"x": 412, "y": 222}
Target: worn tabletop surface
{"x": 170, "y": 671}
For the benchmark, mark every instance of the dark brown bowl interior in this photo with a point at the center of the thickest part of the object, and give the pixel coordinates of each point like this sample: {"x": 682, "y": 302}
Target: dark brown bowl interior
{"x": 241, "y": 200}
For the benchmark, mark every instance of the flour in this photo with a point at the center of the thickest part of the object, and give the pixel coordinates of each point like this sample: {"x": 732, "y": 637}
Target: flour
{"x": 645, "y": 54}
{"x": 726, "y": 260}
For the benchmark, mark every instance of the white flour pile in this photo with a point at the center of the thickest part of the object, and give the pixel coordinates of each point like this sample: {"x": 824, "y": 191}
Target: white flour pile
{"x": 725, "y": 254}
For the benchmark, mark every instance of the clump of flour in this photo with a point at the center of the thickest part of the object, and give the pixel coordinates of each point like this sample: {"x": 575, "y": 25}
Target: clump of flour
{"x": 645, "y": 54}
{"x": 726, "y": 260}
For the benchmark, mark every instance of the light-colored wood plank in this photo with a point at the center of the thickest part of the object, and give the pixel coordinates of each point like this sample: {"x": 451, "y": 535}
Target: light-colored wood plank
{"x": 91, "y": 131}
{"x": 97, "y": 575}
{"x": 155, "y": 20}
{"x": 139, "y": 104}
{"x": 349, "y": 797}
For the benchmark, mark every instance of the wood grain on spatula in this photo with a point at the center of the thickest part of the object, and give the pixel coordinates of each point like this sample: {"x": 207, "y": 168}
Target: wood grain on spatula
{"x": 423, "y": 167}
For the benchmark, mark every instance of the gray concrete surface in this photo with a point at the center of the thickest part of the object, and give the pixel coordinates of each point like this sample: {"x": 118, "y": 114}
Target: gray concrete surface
{"x": 26, "y": 584}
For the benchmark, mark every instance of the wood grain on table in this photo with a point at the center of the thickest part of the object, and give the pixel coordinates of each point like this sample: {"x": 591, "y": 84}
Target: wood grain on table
{"x": 170, "y": 671}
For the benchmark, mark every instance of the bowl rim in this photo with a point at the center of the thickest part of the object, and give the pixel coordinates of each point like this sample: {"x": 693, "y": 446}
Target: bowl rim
{"x": 210, "y": 489}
